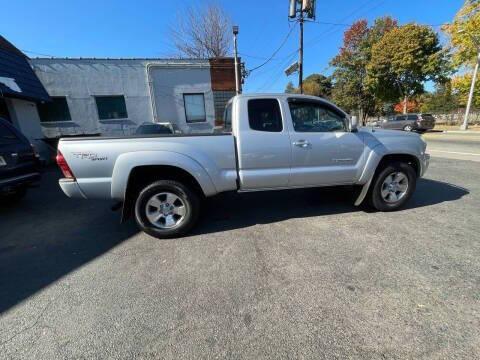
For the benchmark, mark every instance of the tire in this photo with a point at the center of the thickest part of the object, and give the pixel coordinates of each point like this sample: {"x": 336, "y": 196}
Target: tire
{"x": 174, "y": 204}
{"x": 388, "y": 192}
{"x": 408, "y": 128}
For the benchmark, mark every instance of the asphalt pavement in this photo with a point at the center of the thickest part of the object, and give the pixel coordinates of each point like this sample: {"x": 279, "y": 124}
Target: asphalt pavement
{"x": 454, "y": 145}
{"x": 289, "y": 274}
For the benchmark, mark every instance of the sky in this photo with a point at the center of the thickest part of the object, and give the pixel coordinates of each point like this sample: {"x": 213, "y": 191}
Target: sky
{"x": 121, "y": 28}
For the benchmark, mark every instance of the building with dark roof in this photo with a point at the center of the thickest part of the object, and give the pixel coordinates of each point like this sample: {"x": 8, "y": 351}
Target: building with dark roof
{"x": 20, "y": 92}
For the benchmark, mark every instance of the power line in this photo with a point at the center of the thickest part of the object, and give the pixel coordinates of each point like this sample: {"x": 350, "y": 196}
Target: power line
{"x": 276, "y": 51}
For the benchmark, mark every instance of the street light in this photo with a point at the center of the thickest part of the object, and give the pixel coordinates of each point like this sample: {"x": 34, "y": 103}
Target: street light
{"x": 238, "y": 89}
{"x": 476, "y": 41}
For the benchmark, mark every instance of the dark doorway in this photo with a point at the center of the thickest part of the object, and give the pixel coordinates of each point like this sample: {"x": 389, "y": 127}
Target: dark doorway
{"x": 4, "y": 110}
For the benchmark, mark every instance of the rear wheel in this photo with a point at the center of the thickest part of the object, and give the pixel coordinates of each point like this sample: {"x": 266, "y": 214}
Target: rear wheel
{"x": 408, "y": 128}
{"x": 393, "y": 187}
{"x": 166, "y": 209}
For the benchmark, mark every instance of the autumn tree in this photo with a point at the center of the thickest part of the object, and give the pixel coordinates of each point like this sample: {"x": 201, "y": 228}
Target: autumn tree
{"x": 461, "y": 87}
{"x": 403, "y": 60}
{"x": 443, "y": 100}
{"x": 464, "y": 33}
{"x": 202, "y": 33}
{"x": 350, "y": 87}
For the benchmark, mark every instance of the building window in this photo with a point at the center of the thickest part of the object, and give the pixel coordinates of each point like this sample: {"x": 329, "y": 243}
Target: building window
{"x": 265, "y": 115}
{"x": 194, "y": 108}
{"x": 111, "y": 107}
{"x": 56, "y": 110}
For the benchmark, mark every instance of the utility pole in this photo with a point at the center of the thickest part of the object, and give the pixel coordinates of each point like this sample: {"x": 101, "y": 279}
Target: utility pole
{"x": 470, "y": 95}
{"x": 300, "y": 55}
{"x": 237, "y": 64}
{"x": 300, "y": 10}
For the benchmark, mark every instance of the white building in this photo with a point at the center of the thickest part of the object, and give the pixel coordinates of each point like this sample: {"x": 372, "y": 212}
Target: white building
{"x": 114, "y": 96}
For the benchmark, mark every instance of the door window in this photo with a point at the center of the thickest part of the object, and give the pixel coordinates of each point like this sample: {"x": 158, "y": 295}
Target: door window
{"x": 412, "y": 117}
{"x": 265, "y": 115}
{"x": 316, "y": 117}
{"x": 401, "y": 118}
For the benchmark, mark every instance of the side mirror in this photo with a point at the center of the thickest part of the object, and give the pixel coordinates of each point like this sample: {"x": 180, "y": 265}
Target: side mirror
{"x": 353, "y": 123}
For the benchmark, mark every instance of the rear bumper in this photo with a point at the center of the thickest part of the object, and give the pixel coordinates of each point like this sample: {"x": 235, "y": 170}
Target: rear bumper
{"x": 19, "y": 181}
{"x": 71, "y": 188}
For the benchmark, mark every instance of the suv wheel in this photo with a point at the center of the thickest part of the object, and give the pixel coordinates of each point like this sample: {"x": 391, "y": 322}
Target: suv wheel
{"x": 393, "y": 187}
{"x": 166, "y": 209}
{"x": 408, "y": 128}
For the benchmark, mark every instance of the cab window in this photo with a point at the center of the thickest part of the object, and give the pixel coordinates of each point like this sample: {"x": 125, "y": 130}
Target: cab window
{"x": 265, "y": 115}
{"x": 309, "y": 116}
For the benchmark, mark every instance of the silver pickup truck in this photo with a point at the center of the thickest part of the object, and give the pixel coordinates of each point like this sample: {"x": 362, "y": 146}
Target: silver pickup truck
{"x": 270, "y": 142}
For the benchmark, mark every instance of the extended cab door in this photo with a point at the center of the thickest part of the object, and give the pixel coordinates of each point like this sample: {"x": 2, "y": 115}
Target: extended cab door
{"x": 263, "y": 143}
{"x": 324, "y": 151}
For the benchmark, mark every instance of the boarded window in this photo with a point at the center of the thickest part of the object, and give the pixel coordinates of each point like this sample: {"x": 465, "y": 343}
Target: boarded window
{"x": 111, "y": 107}
{"x": 57, "y": 110}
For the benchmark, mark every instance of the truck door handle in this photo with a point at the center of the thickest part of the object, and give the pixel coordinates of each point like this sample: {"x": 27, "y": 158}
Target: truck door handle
{"x": 302, "y": 143}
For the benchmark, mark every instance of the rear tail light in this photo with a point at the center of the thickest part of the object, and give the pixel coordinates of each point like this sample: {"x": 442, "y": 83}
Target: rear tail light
{"x": 62, "y": 164}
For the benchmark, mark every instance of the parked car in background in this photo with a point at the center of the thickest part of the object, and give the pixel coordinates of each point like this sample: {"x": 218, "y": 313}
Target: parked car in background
{"x": 154, "y": 128}
{"x": 271, "y": 142}
{"x": 19, "y": 163}
{"x": 409, "y": 122}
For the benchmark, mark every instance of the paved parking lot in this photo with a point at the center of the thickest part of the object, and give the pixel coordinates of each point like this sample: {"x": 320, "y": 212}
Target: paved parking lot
{"x": 286, "y": 274}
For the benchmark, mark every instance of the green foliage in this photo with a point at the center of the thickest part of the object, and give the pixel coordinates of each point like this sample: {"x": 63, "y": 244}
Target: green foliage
{"x": 464, "y": 33}
{"x": 442, "y": 100}
{"x": 461, "y": 87}
{"x": 351, "y": 90}
{"x": 403, "y": 60}
{"x": 290, "y": 89}
{"x": 315, "y": 84}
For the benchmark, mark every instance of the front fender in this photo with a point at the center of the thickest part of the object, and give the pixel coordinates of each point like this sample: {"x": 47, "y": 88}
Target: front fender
{"x": 125, "y": 163}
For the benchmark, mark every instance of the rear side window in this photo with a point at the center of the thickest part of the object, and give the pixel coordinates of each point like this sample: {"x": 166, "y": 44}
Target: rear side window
{"x": 7, "y": 136}
{"x": 401, "y": 118}
{"x": 412, "y": 117}
{"x": 265, "y": 115}
{"x": 227, "y": 117}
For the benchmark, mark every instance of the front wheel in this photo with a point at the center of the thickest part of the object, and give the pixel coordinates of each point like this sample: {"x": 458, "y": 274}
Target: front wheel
{"x": 393, "y": 187}
{"x": 166, "y": 209}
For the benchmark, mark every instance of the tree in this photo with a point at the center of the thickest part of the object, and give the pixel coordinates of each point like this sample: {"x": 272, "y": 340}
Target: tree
{"x": 403, "y": 60}
{"x": 202, "y": 32}
{"x": 350, "y": 88}
{"x": 464, "y": 33}
{"x": 461, "y": 87}
{"x": 315, "y": 84}
{"x": 442, "y": 100}
{"x": 290, "y": 89}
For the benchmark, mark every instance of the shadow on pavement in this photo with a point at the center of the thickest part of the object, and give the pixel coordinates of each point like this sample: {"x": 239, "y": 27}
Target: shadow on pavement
{"x": 233, "y": 211}
{"x": 47, "y": 235}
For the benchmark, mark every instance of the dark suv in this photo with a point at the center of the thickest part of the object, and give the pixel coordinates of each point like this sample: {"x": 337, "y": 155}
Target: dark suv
{"x": 409, "y": 122}
{"x": 19, "y": 163}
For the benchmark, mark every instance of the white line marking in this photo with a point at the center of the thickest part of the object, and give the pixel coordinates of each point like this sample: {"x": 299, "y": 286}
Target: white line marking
{"x": 454, "y": 152}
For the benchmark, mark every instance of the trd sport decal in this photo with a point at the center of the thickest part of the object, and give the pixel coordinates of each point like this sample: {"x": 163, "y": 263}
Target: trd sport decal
{"x": 89, "y": 156}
